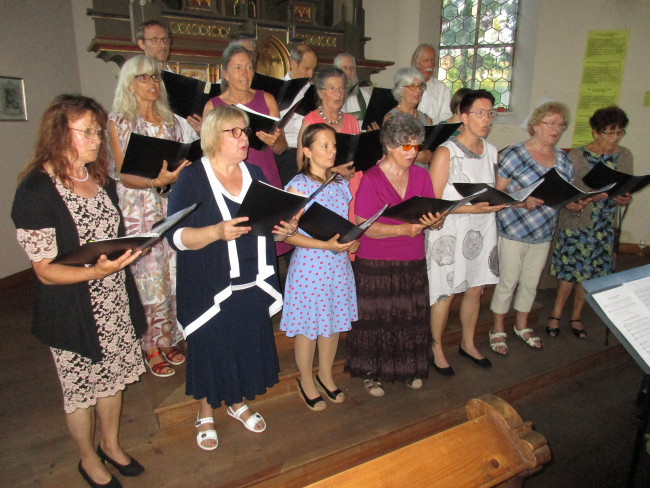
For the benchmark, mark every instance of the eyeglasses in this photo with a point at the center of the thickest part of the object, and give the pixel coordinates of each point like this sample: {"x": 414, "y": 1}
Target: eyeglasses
{"x": 90, "y": 133}
{"x": 158, "y": 40}
{"x": 334, "y": 89}
{"x": 144, "y": 78}
{"x": 482, "y": 113}
{"x": 615, "y": 133}
{"x": 553, "y": 125}
{"x": 408, "y": 147}
{"x": 237, "y": 131}
{"x": 421, "y": 87}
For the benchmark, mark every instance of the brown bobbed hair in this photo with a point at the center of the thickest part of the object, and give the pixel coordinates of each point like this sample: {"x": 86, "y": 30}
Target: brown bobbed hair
{"x": 54, "y": 140}
{"x": 613, "y": 117}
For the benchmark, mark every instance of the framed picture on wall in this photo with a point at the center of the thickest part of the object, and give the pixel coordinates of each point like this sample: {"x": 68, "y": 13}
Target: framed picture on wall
{"x": 12, "y": 99}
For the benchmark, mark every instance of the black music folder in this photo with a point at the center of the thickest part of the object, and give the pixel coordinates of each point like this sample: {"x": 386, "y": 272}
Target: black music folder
{"x": 265, "y": 206}
{"x": 410, "y": 211}
{"x": 493, "y": 196}
{"x": 558, "y": 192}
{"x": 381, "y": 102}
{"x": 265, "y": 123}
{"x": 188, "y": 96}
{"x": 601, "y": 175}
{"x": 364, "y": 149}
{"x": 144, "y": 155}
{"x": 284, "y": 91}
{"x": 434, "y": 135}
{"x": 321, "y": 223}
{"x": 90, "y": 252}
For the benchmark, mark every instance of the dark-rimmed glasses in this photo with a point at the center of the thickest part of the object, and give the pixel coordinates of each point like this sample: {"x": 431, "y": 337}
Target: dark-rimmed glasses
{"x": 144, "y": 78}
{"x": 90, "y": 133}
{"x": 158, "y": 40}
{"x": 237, "y": 131}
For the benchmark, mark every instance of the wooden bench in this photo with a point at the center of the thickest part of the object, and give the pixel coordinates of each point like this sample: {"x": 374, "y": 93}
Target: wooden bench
{"x": 495, "y": 447}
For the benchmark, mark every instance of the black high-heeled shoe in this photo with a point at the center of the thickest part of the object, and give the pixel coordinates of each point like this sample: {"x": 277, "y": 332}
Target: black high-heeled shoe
{"x": 332, "y": 395}
{"x": 134, "y": 468}
{"x": 579, "y": 333}
{"x": 484, "y": 363}
{"x": 316, "y": 404}
{"x": 113, "y": 483}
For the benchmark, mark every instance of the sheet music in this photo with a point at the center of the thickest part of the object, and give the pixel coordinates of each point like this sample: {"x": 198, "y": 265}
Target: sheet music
{"x": 627, "y": 306}
{"x": 641, "y": 290}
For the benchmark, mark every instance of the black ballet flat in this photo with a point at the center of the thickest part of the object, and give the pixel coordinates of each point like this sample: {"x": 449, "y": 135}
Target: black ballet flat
{"x": 113, "y": 483}
{"x": 484, "y": 363}
{"x": 316, "y": 404}
{"x": 332, "y": 395}
{"x": 134, "y": 468}
{"x": 448, "y": 371}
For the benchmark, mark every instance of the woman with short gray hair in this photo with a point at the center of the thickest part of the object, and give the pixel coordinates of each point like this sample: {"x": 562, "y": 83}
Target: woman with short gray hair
{"x": 391, "y": 340}
{"x": 408, "y": 89}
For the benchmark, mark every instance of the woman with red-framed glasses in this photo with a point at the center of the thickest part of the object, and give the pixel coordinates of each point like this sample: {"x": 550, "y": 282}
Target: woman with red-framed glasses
{"x": 391, "y": 340}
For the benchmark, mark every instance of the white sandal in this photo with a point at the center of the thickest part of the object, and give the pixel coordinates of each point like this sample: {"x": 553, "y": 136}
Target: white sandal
{"x": 206, "y": 435}
{"x": 373, "y": 387}
{"x": 250, "y": 422}
{"x": 500, "y": 342}
{"x": 531, "y": 340}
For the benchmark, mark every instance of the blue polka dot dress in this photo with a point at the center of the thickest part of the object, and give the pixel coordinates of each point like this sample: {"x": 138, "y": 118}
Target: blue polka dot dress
{"x": 320, "y": 295}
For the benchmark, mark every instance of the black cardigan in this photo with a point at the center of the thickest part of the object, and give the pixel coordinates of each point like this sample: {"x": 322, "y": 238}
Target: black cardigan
{"x": 63, "y": 315}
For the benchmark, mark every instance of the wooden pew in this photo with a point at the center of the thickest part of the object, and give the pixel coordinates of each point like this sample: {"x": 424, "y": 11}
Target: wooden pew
{"x": 495, "y": 447}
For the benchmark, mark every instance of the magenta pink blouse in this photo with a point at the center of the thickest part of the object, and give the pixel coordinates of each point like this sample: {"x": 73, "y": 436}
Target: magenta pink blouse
{"x": 374, "y": 192}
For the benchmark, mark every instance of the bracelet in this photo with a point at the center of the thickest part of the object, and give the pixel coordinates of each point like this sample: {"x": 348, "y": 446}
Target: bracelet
{"x": 149, "y": 183}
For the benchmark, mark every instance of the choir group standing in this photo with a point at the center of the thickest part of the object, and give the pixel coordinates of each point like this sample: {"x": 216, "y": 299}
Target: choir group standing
{"x": 219, "y": 283}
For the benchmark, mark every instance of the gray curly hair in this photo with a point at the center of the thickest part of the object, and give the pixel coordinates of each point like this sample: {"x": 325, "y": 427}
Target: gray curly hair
{"x": 400, "y": 129}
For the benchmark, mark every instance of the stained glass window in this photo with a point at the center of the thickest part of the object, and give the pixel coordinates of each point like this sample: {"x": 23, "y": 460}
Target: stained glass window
{"x": 477, "y": 46}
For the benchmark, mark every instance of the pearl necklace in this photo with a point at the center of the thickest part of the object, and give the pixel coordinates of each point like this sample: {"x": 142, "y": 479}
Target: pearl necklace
{"x": 320, "y": 112}
{"x": 81, "y": 180}
{"x": 401, "y": 110}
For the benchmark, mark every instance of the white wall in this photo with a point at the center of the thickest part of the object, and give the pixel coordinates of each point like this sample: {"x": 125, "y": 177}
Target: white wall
{"x": 39, "y": 46}
{"x": 46, "y": 43}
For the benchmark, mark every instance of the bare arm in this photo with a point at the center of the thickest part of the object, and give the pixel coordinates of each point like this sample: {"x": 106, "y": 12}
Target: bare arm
{"x": 164, "y": 177}
{"x": 60, "y": 274}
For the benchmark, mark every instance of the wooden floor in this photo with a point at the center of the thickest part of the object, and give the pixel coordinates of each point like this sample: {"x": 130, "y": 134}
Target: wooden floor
{"x": 300, "y": 446}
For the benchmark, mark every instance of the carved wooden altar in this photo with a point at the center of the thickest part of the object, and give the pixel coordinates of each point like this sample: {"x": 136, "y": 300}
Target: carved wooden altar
{"x": 201, "y": 30}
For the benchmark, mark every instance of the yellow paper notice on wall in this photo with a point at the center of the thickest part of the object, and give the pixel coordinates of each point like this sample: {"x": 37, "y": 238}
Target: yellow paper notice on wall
{"x": 602, "y": 74}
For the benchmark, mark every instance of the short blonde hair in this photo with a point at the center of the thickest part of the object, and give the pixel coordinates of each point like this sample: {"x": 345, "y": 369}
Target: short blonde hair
{"x": 213, "y": 124}
{"x": 545, "y": 109}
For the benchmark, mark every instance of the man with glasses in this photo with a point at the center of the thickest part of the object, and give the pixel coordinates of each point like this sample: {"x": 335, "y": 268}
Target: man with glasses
{"x": 155, "y": 40}
{"x": 435, "y": 99}
{"x": 357, "y": 98}
{"x": 302, "y": 64}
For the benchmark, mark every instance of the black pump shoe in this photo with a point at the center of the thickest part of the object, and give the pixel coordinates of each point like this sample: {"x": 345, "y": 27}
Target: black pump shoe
{"x": 484, "y": 363}
{"x": 113, "y": 483}
{"x": 134, "y": 468}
